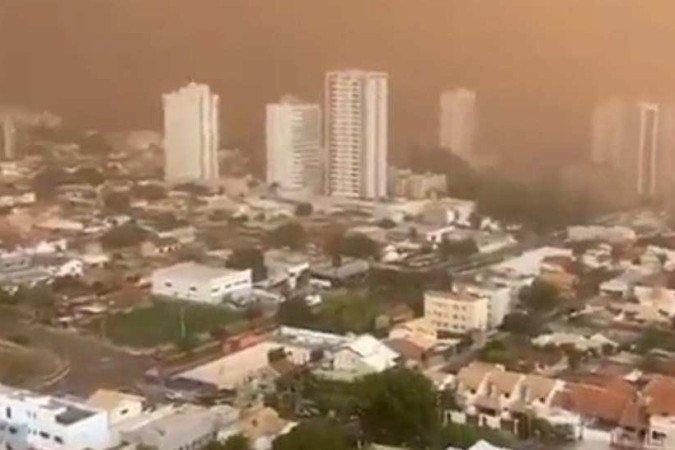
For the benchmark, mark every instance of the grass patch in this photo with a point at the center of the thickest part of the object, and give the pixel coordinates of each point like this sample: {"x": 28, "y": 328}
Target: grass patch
{"x": 161, "y": 324}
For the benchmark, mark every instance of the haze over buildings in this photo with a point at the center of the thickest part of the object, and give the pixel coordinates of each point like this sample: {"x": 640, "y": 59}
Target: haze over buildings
{"x": 356, "y": 133}
{"x": 458, "y": 122}
{"x": 191, "y": 134}
{"x": 637, "y": 140}
{"x": 293, "y": 140}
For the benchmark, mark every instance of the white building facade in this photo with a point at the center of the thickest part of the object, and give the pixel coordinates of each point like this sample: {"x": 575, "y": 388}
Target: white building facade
{"x": 195, "y": 282}
{"x": 8, "y": 137}
{"x": 191, "y": 134}
{"x": 458, "y": 122}
{"x": 456, "y": 312}
{"x": 32, "y": 421}
{"x": 356, "y": 133}
{"x": 293, "y": 140}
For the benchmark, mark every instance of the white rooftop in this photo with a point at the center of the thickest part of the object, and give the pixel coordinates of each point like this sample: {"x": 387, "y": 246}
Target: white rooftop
{"x": 198, "y": 273}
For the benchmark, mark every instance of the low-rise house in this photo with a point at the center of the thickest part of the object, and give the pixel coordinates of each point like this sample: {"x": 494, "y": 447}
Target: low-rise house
{"x": 184, "y": 427}
{"x": 285, "y": 266}
{"x": 596, "y": 343}
{"x": 157, "y": 246}
{"x": 362, "y": 356}
{"x": 30, "y": 420}
{"x": 120, "y": 406}
{"x": 610, "y": 234}
{"x": 493, "y": 395}
{"x": 199, "y": 283}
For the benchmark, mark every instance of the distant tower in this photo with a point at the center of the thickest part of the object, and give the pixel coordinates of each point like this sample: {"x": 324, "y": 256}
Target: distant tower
{"x": 191, "y": 134}
{"x": 458, "y": 122}
{"x": 356, "y": 133}
{"x": 637, "y": 139}
{"x": 293, "y": 137}
{"x": 7, "y": 139}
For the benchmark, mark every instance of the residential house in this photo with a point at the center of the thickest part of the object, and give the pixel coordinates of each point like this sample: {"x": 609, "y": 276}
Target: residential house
{"x": 362, "y": 356}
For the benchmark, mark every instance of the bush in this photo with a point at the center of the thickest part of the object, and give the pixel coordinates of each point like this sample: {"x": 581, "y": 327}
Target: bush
{"x": 304, "y": 209}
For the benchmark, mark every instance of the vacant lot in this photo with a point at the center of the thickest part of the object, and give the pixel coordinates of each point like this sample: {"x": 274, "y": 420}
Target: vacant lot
{"x": 23, "y": 366}
{"x": 161, "y": 323}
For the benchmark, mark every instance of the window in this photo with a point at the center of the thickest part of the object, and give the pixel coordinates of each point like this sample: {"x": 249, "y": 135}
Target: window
{"x": 8, "y": 412}
{"x": 58, "y": 439}
{"x": 168, "y": 284}
{"x": 193, "y": 289}
{"x": 12, "y": 430}
{"x": 44, "y": 435}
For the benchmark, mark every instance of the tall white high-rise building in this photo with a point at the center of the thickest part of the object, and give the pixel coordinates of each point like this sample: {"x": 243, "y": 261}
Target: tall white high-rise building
{"x": 637, "y": 139}
{"x": 458, "y": 122}
{"x": 293, "y": 138}
{"x": 191, "y": 134}
{"x": 356, "y": 133}
{"x": 7, "y": 139}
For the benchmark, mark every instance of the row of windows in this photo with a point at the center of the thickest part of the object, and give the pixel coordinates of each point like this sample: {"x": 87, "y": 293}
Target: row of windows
{"x": 43, "y": 434}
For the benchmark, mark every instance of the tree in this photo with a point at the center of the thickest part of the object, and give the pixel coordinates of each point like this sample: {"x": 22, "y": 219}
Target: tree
{"x": 89, "y": 175}
{"x": 313, "y": 435}
{"x": 234, "y": 442}
{"x": 295, "y": 312}
{"x": 464, "y": 247}
{"x": 117, "y": 202}
{"x": 539, "y": 297}
{"x": 398, "y": 407}
{"x": 290, "y": 234}
{"x": 359, "y": 246}
{"x": 149, "y": 192}
{"x": 521, "y": 324}
{"x": 126, "y": 235}
{"x": 248, "y": 258}
{"x": 304, "y": 209}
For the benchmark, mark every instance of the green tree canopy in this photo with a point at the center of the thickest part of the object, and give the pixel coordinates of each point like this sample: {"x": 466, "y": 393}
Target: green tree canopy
{"x": 125, "y": 235}
{"x": 539, "y": 297}
{"x": 303, "y": 209}
{"x": 398, "y": 407}
{"x": 313, "y": 435}
{"x": 234, "y": 442}
{"x": 248, "y": 258}
{"x": 290, "y": 234}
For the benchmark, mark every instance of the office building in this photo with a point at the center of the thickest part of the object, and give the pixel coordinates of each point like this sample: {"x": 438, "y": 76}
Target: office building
{"x": 456, "y": 312}
{"x": 637, "y": 139}
{"x": 30, "y": 420}
{"x": 191, "y": 134}
{"x": 8, "y": 137}
{"x": 293, "y": 137}
{"x": 356, "y": 133}
{"x": 458, "y": 122}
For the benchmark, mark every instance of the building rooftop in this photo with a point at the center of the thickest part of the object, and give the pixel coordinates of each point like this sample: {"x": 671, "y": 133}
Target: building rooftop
{"x": 195, "y": 272}
{"x": 229, "y": 371}
{"x": 461, "y": 296}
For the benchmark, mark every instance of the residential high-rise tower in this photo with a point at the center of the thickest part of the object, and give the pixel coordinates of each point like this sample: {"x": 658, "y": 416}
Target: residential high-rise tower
{"x": 356, "y": 133}
{"x": 458, "y": 122}
{"x": 637, "y": 140}
{"x": 293, "y": 138}
{"x": 191, "y": 134}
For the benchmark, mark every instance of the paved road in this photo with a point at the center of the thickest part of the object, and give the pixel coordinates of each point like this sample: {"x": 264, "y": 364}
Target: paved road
{"x": 93, "y": 364}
